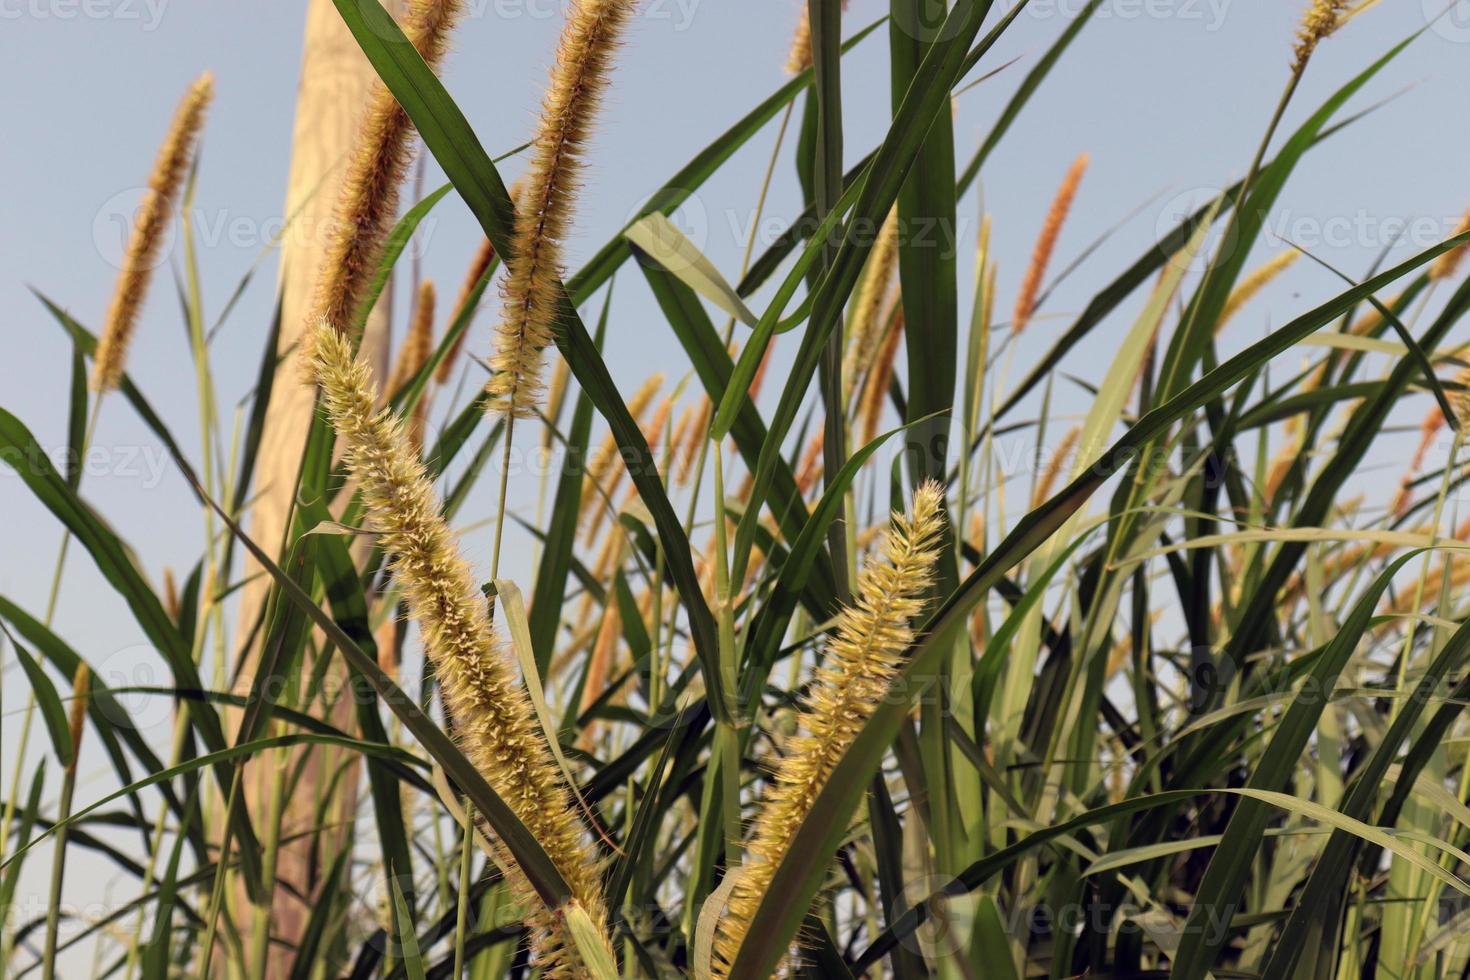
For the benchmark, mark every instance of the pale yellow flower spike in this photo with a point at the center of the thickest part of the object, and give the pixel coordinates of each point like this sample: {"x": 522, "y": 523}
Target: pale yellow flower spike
{"x": 1321, "y": 19}
{"x": 875, "y": 386}
{"x": 493, "y": 715}
{"x": 862, "y": 658}
{"x": 867, "y": 320}
{"x": 367, "y": 204}
{"x": 1447, "y": 264}
{"x": 1252, "y": 285}
{"x": 150, "y": 226}
{"x": 799, "y": 59}
{"x": 584, "y": 62}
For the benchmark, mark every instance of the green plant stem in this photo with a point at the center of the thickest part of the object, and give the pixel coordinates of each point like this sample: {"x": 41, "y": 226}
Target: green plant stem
{"x": 462, "y": 905}
{"x": 58, "y": 870}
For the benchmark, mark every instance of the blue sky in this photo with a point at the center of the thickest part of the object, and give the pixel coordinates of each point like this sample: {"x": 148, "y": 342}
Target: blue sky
{"x": 1169, "y": 97}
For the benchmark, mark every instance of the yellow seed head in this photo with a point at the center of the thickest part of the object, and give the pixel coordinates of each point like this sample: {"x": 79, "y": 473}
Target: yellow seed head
{"x": 799, "y": 58}
{"x": 678, "y": 437}
{"x": 1321, "y": 19}
{"x": 875, "y": 388}
{"x": 150, "y": 225}
{"x": 604, "y": 467}
{"x": 1055, "y": 467}
{"x": 492, "y": 713}
{"x": 584, "y": 62}
{"x": 171, "y": 603}
{"x": 862, "y": 658}
{"x": 693, "y": 439}
{"x": 1459, "y": 397}
{"x": 809, "y": 470}
{"x": 1254, "y": 283}
{"x": 367, "y": 204}
{"x": 81, "y": 688}
{"x": 867, "y": 322}
{"x": 1447, "y": 264}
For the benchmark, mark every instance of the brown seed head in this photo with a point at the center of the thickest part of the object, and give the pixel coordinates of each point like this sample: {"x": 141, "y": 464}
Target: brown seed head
{"x": 532, "y": 289}
{"x": 1447, "y": 264}
{"x": 367, "y": 204}
{"x": 81, "y": 687}
{"x": 1046, "y": 244}
{"x": 150, "y": 225}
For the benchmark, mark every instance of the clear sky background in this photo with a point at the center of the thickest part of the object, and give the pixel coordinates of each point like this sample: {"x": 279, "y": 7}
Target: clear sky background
{"x": 1169, "y": 97}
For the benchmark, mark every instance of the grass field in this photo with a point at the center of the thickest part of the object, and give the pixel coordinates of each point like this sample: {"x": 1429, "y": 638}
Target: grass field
{"x": 869, "y": 669}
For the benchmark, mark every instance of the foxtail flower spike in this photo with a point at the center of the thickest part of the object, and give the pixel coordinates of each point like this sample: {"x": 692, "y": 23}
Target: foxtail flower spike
{"x": 1321, "y": 19}
{"x": 799, "y": 59}
{"x": 367, "y": 204}
{"x": 150, "y": 226}
{"x": 1252, "y": 284}
{"x": 1046, "y": 244}
{"x": 584, "y": 63}
{"x": 493, "y": 715}
{"x": 867, "y": 321}
{"x": 863, "y": 657}
{"x": 1449, "y": 263}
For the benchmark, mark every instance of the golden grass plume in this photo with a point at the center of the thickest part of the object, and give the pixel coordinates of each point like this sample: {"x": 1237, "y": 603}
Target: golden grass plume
{"x": 1321, "y": 19}
{"x": 867, "y": 321}
{"x": 150, "y": 226}
{"x": 862, "y": 658}
{"x": 367, "y": 204}
{"x": 604, "y": 466}
{"x": 531, "y": 291}
{"x": 799, "y": 58}
{"x": 1252, "y": 285}
{"x": 81, "y": 689}
{"x": 1046, "y": 243}
{"x": 493, "y": 715}
{"x": 875, "y": 386}
{"x": 1448, "y": 264}
{"x": 1055, "y": 467}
